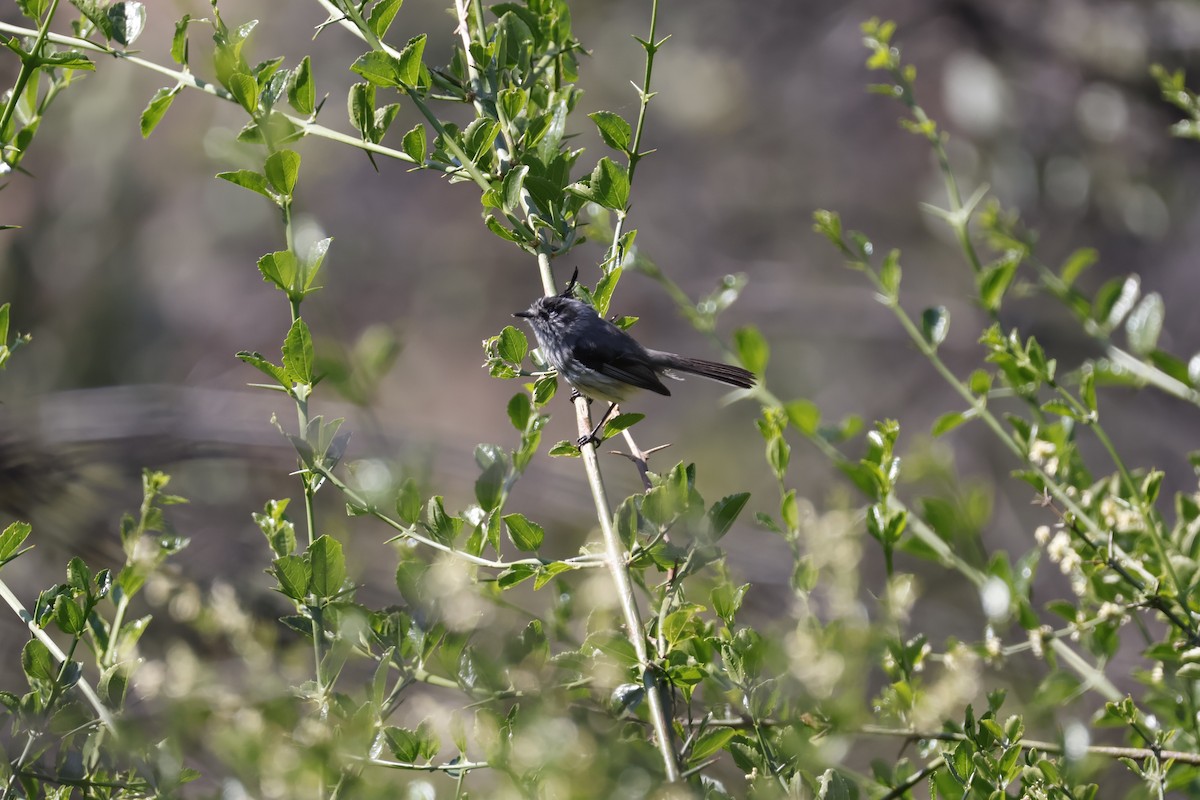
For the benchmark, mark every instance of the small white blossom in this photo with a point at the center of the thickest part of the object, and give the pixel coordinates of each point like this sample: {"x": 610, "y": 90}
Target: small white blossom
{"x": 1041, "y": 450}
{"x": 1035, "y": 642}
{"x": 1042, "y": 534}
{"x": 991, "y": 643}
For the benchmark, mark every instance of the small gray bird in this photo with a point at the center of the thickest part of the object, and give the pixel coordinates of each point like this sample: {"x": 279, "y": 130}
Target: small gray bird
{"x": 604, "y": 362}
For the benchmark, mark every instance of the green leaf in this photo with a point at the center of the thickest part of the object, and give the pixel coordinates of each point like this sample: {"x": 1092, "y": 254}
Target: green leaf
{"x": 709, "y": 743}
{"x": 994, "y": 281}
{"x": 257, "y": 361}
{"x": 513, "y": 345}
{"x": 512, "y": 188}
{"x": 1115, "y": 299}
{"x": 38, "y": 664}
{"x": 292, "y": 572}
{"x": 980, "y": 382}
{"x": 512, "y": 102}
{"x": 602, "y": 297}
{"x": 179, "y": 42}
{"x": 614, "y": 130}
{"x": 360, "y": 103}
{"x": 520, "y": 409}
{"x": 1087, "y": 386}
{"x": 804, "y": 416}
{"x": 282, "y": 168}
{"x": 113, "y": 683}
{"x": 302, "y": 89}
{"x": 97, "y": 13}
{"x": 280, "y": 269}
{"x": 948, "y": 422}
{"x": 620, "y": 423}
{"x": 935, "y": 324}
{"x": 382, "y": 15}
{"x": 12, "y": 538}
{"x": 1076, "y": 263}
{"x": 384, "y": 118}
{"x": 408, "y": 69}
{"x": 442, "y": 526}
{"x": 249, "y": 179}
{"x": 789, "y": 511}
{"x": 411, "y": 747}
{"x": 298, "y": 352}
{"x": 378, "y": 67}
{"x": 316, "y": 257}
{"x": 128, "y": 20}
{"x": 408, "y": 502}
{"x": 548, "y": 572}
{"x": 327, "y": 565}
{"x": 414, "y": 144}
{"x": 726, "y": 601}
{"x": 1060, "y": 408}
{"x": 565, "y": 448}
{"x": 244, "y": 89}
{"x": 516, "y": 574}
{"x": 610, "y": 185}
{"x": 4, "y": 315}
{"x": 752, "y": 349}
{"x": 1145, "y": 323}
{"x": 724, "y": 512}
{"x": 779, "y": 453}
{"x": 33, "y": 8}
{"x": 490, "y": 485}
{"x": 526, "y": 535}
{"x": 68, "y": 615}
{"x": 889, "y": 274}
{"x": 495, "y": 227}
{"x": 156, "y": 108}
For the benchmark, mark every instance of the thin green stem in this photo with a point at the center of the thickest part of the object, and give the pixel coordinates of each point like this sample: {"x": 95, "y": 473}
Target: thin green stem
{"x": 635, "y": 154}
{"x": 410, "y": 532}
{"x": 1108, "y": 751}
{"x": 768, "y": 399}
{"x": 618, "y": 558}
{"x": 354, "y": 21}
{"x": 618, "y": 568}
{"x": 960, "y": 213}
{"x": 190, "y": 81}
{"x": 959, "y": 219}
{"x": 458, "y": 766}
{"x": 29, "y": 66}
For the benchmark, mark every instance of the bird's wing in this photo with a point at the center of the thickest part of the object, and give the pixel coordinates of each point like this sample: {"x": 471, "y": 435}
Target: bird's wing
{"x": 628, "y": 368}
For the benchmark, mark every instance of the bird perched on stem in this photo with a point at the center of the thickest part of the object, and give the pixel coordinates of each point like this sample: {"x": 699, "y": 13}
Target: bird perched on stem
{"x": 604, "y": 362}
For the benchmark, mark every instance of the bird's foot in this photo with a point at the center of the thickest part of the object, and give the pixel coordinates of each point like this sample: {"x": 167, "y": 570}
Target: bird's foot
{"x": 591, "y": 438}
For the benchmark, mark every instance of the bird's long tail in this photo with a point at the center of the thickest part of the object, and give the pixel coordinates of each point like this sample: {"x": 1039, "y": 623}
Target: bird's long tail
{"x": 713, "y": 370}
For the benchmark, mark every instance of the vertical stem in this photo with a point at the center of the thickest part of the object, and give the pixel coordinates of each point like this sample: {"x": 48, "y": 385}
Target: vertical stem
{"x": 28, "y": 67}
{"x": 635, "y": 156}
{"x": 619, "y": 569}
{"x": 617, "y": 557}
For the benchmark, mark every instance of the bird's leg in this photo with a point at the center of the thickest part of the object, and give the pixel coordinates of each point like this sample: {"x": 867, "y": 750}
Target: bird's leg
{"x": 593, "y": 437}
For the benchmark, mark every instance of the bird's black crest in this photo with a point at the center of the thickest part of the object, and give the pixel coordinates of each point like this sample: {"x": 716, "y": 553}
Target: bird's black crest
{"x": 571, "y": 284}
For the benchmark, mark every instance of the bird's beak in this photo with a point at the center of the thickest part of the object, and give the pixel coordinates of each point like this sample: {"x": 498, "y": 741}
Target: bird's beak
{"x": 524, "y": 314}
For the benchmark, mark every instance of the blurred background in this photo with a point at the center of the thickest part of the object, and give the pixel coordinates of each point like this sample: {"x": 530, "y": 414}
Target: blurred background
{"x": 134, "y": 268}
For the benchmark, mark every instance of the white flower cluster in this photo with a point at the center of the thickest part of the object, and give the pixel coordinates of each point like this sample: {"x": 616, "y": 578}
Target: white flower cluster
{"x": 1037, "y": 640}
{"x": 1118, "y": 515}
{"x": 1045, "y": 455}
{"x": 1061, "y": 551}
{"x": 992, "y": 645}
